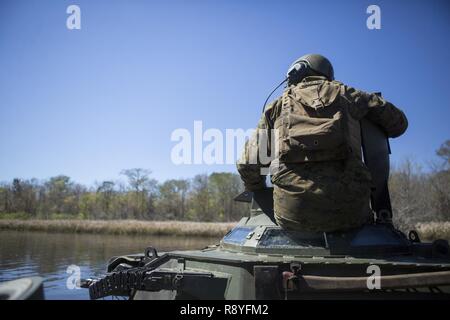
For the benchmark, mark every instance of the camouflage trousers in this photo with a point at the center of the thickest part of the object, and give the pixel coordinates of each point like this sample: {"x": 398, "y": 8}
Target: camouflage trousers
{"x": 322, "y": 196}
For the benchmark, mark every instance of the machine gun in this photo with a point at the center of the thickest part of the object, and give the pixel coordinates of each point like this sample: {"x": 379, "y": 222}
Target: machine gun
{"x": 127, "y": 275}
{"x": 124, "y": 283}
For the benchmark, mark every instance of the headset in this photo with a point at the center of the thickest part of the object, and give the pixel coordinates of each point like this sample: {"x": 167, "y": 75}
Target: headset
{"x": 294, "y": 75}
{"x": 297, "y": 72}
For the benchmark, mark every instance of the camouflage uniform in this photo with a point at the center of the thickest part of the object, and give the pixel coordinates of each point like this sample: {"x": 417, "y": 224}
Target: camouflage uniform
{"x": 318, "y": 192}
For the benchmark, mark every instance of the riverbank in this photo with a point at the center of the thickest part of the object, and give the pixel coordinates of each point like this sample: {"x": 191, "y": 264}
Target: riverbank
{"x": 427, "y": 231}
{"x": 126, "y": 227}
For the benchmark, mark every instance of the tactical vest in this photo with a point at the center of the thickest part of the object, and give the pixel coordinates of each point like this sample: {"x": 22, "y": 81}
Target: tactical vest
{"x": 315, "y": 124}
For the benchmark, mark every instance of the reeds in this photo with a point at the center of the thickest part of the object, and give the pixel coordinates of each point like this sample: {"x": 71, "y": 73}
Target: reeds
{"x": 434, "y": 230}
{"x": 427, "y": 231}
{"x": 131, "y": 227}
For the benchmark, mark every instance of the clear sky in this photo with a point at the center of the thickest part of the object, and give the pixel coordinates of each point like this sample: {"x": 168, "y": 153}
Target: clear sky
{"x": 88, "y": 103}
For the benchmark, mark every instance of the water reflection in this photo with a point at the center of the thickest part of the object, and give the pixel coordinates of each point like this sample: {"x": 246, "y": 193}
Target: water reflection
{"x": 48, "y": 255}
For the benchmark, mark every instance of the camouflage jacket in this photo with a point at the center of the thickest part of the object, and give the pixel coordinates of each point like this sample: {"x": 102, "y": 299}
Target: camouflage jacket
{"x": 319, "y": 186}
{"x": 360, "y": 104}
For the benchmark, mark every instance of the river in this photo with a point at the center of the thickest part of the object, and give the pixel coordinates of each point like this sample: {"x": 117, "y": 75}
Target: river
{"x": 49, "y": 255}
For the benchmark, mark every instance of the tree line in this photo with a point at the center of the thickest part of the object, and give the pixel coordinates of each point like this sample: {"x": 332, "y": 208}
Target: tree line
{"x": 420, "y": 195}
{"x": 202, "y": 198}
{"x": 417, "y": 196}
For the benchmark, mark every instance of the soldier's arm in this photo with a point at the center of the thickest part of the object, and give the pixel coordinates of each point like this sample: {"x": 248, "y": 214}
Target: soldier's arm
{"x": 377, "y": 110}
{"x": 249, "y": 165}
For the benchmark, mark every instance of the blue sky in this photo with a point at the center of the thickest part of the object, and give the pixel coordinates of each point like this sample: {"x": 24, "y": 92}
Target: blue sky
{"x": 88, "y": 103}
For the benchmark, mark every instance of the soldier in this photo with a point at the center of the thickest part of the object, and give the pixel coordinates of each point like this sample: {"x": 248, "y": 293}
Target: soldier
{"x": 320, "y": 182}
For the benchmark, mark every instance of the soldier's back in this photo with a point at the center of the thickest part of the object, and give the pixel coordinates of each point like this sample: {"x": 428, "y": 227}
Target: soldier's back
{"x": 322, "y": 196}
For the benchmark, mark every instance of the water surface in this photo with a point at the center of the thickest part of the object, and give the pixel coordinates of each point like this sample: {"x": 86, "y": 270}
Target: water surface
{"x": 24, "y": 254}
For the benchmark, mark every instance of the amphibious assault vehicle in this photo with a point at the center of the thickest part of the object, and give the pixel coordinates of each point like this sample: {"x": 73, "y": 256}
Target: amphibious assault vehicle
{"x": 259, "y": 260}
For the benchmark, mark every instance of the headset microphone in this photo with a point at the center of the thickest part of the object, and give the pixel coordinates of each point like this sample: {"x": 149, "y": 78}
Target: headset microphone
{"x": 265, "y": 102}
{"x": 294, "y": 75}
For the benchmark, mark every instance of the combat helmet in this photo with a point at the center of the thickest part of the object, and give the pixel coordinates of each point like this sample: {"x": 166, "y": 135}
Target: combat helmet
{"x": 310, "y": 64}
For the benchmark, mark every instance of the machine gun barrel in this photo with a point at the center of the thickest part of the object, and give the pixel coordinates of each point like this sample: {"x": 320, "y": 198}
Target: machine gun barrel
{"x": 123, "y": 283}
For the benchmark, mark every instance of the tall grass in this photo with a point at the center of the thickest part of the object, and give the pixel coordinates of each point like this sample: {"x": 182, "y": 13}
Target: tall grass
{"x": 131, "y": 227}
{"x": 434, "y": 230}
{"x": 427, "y": 231}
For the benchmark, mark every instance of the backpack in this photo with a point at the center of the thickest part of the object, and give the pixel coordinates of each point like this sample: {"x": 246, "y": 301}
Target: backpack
{"x": 315, "y": 124}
